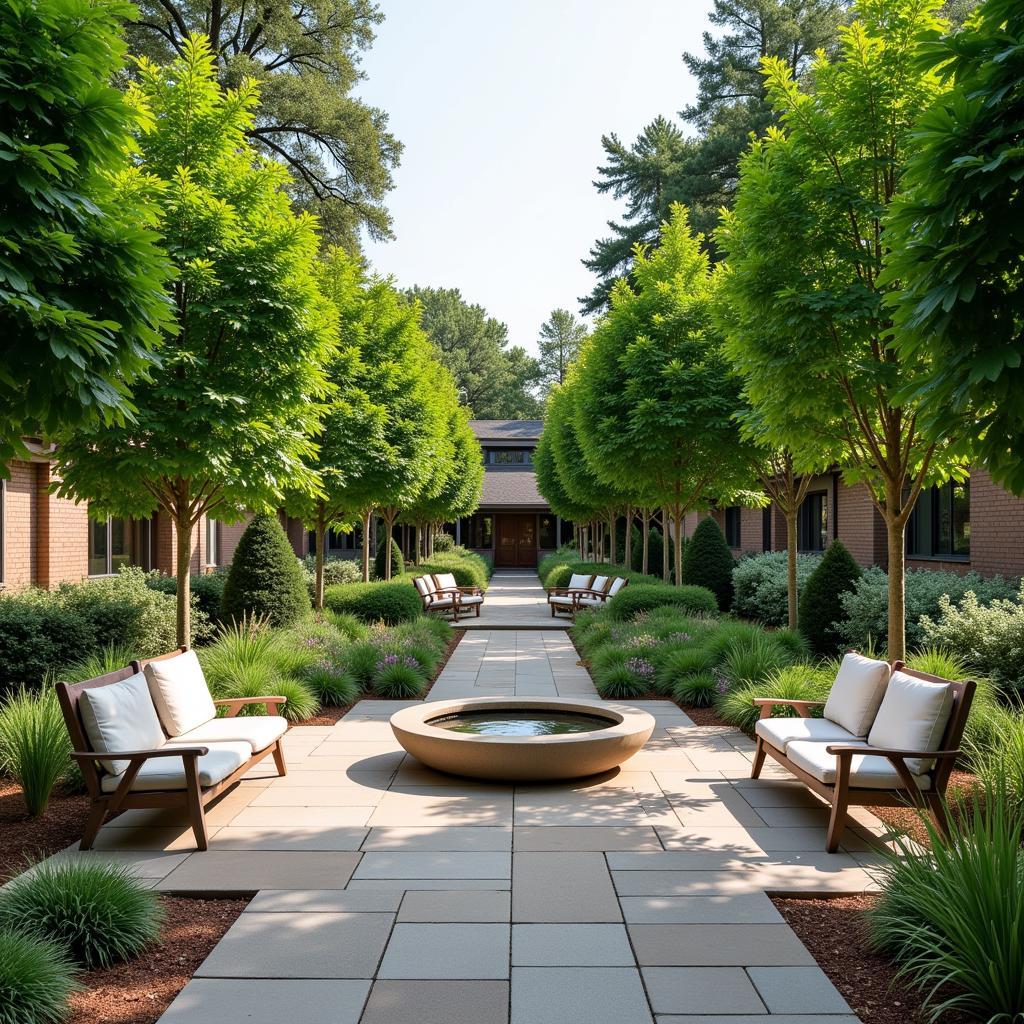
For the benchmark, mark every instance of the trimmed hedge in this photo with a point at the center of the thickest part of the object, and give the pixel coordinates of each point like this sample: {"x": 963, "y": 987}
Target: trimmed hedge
{"x": 560, "y": 574}
{"x": 265, "y": 578}
{"x": 388, "y": 601}
{"x": 821, "y": 603}
{"x": 468, "y": 568}
{"x": 644, "y": 597}
{"x": 207, "y": 590}
{"x": 708, "y": 562}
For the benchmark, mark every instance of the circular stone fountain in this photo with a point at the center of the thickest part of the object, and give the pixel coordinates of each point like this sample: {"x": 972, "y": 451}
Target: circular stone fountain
{"x": 538, "y": 738}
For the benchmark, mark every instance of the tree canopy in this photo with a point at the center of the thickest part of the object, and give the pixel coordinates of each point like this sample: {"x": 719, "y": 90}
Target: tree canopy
{"x": 305, "y": 58}
{"x": 561, "y": 337}
{"x": 81, "y": 276}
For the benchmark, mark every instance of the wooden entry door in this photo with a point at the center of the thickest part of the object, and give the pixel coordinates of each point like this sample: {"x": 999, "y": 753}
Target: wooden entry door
{"x": 515, "y": 541}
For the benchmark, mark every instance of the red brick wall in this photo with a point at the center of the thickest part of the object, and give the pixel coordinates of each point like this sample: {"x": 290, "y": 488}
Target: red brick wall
{"x": 861, "y": 527}
{"x": 229, "y": 536}
{"x": 997, "y": 528}
{"x": 62, "y": 533}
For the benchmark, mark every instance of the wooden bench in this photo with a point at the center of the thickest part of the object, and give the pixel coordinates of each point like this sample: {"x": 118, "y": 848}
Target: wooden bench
{"x": 170, "y": 766}
{"x": 884, "y": 744}
{"x": 440, "y": 593}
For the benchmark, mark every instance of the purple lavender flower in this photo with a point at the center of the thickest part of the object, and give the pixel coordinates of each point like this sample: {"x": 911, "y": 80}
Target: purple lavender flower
{"x": 721, "y": 683}
{"x": 387, "y": 661}
{"x": 641, "y": 668}
{"x": 410, "y": 662}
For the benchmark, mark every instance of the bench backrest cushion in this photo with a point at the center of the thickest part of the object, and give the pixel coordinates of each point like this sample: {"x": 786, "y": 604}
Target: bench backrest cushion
{"x": 617, "y": 584}
{"x": 446, "y": 581}
{"x": 425, "y": 585}
{"x": 579, "y": 581}
{"x": 857, "y": 693}
{"x": 913, "y": 716}
{"x": 120, "y": 716}
{"x": 600, "y": 584}
{"x": 180, "y": 693}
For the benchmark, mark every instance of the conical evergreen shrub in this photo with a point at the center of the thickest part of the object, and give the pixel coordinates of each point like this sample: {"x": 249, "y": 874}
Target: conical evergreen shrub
{"x": 265, "y": 578}
{"x": 707, "y": 562}
{"x": 397, "y": 562}
{"x": 821, "y": 605}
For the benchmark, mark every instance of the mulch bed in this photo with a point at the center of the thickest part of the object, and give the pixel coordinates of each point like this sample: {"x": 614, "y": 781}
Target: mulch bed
{"x": 139, "y": 991}
{"x": 331, "y": 714}
{"x": 908, "y": 820}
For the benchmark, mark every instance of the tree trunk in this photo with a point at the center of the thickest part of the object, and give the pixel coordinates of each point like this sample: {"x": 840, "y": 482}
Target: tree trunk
{"x": 611, "y": 540}
{"x": 183, "y": 565}
{"x": 628, "y": 553}
{"x": 367, "y": 516}
{"x": 792, "y": 596}
{"x": 321, "y": 535}
{"x": 677, "y": 534}
{"x": 645, "y": 519}
{"x": 665, "y": 567}
{"x": 895, "y": 531}
{"x": 389, "y": 525}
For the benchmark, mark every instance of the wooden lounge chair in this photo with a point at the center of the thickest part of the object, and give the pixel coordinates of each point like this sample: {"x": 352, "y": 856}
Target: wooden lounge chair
{"x": 466, "y": 597}
{"x": 888, "y": 736}
{"x": 148, "y": 735}
{"x": 436, "y": 600}
{"x": 595, "y": 598}
{"x": 563, "y": 600}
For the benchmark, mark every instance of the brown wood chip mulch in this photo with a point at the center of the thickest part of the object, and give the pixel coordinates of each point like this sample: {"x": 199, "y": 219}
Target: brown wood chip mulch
{"x": 138, "y": 992}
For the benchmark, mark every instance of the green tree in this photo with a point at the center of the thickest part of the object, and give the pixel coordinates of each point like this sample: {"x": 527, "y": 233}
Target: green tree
{"x": 821, "y": 604}
{"x": 81, "y": 276}
{"x": 305, "y": 58}
{"x": 654, "y": 413}
{"x": 493, "y": 380}
{"x": 559, "y": 344}
{"x": 707, "y": 562}
{"x": 805, "y": 247}
{"x": 224, "y": 424}
{"x": 955, "y": 236}
{"x": 664, "y": 166}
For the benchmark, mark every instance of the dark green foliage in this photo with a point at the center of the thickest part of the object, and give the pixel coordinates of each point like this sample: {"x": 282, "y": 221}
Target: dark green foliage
{"x": 265, "y": 578}
{"x": 559, "y": 575}
{"x": 207, "y": 590}
{"x": 36, "y": 636}
{"x": 399, "y": 680}
{"x": 682, "y": 664}
{"x": 332, "y": 683}
{"x": 698, "y": 689}
{"x": 821, "y": 604}
{"x": 397, "y": 562}
{"x": 388, "y": 602}
{"x": 614, "y": 674}
{"x": 468, "y": 568}
{"x": 655, "y": 551}
{"x": 361, "y": 661}
{"x": 444, "y": 543}
{"x": 36, "y": 979}
{"x": 708, "y": 562}
{"x": 100, "y": 913}
{"x": 643, "y": 597}
{"x": 35, "y": 748}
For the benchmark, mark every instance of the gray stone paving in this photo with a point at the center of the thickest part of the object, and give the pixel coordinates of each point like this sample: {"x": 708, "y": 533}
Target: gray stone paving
{"x": 390, "y": 893}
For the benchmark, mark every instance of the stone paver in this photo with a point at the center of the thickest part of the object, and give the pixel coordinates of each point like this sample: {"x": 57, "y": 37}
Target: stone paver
{"x": 597, "y": 995}
{"x": 570, "y": 945}
{"x": 462, "y": 951}
{"x": 717, "y": 945}
{"x": 797, "y": 990}
{"x": 230, "y": 1001}
{"x": 562, "y": 887}
{"x": 466, "y": 905}
{"x": 701, "y": 990}
{"x": 437, "y": 1002}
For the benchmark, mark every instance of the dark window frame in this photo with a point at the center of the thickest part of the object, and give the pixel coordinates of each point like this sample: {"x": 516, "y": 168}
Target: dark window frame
{"x": 140, "y": 555}
{"x": 732, "y": 519}
{"x": 812, "y": 526}
{"x": 925, "y": 541}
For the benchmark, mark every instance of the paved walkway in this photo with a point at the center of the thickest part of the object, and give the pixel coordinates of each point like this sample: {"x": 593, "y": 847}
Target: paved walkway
{"x": 388, "y": 893}
{"x": 515, "y": 600}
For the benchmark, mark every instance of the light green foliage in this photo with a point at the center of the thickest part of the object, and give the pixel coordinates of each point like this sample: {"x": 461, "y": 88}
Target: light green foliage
{"x": 961, "y": 198}
{"x": 754, "y": 658}
{"x": 559, "y": 575}
{"x": 866, "y": 606}
{"x": 621, "y": 674}
{"x": 643, "y": 597}
{"x": 561, "y": 336}
{"x": 821, "y": 599}
{"x": 225, "y": 424}
{"x": 988, "y": 637}
{"x": 995, "y": 747}
{"x": 81, "y": 277}
{"x": 306, "y": 59}
{"x": 794, "y": 682}
{"x": 708, "y": 562}
{"x": 952, "y": 913}
{"x": 696, "y": 689}
{"x": 655, "y": 400}
{"x": 35, "y": 747}
{"x": 36, "y": 980}
{"x": 99, "y": 912}
{"x": 351, "y": 628}
{"x": 336, "y": 570}
{"x": 400, "y": 680}
{"x": 802, "y": 297}
{"x": 468, "y": 568}
{"x": 760, "y": 589}
{"x": 389, "y": 602}
{"x": 495, "y": 381}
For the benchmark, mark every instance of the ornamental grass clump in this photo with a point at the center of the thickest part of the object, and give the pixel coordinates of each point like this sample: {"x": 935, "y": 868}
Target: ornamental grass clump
{"x": 399, "y": 677}
{"x": 35, "y": 749}
{"x": 698, "y": 689}
{"x": 36, "y": 979}
{"x": 952, "y": 916}
{"x": 752, "y": 658}
{"x": 98, "y": 912}
{"x": 794, "y": 682}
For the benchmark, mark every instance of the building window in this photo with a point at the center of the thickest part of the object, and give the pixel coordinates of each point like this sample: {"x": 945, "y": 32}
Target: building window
{"x": 211, "y": 541}
{"x": 940, "y": 524}
{"x": 546, "y": 535}
{"x": 732, "y": 526}
{"x": 812, "y": 523}
{"x": 114, "y": 542}
{"x": 508, "y": 456}
{"x": 566, "y": 534}
{"x": 478, "y": 531}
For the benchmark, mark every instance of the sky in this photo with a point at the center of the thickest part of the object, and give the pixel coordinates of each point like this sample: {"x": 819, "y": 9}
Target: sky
{"x": 501, "y": 108}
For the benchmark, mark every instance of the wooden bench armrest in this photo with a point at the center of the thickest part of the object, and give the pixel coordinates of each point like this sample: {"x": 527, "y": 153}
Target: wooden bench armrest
{"x": 847, "y": 748}
{"x": 138, "y": 755}
{"x": 802, "y": 707}
{"x": 235, "y": 704}
{"x": 470, "y": 590}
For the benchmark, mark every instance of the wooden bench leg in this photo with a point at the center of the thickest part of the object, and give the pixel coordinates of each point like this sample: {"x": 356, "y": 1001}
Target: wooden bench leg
{"x": 939, "y": 815}
{"x": 196, "y": 812}
{"x": 93, "y": 824}
{"x": 282, "y": 768}
{"x": 836, "y": 823}
{"x": 759, "y": 755}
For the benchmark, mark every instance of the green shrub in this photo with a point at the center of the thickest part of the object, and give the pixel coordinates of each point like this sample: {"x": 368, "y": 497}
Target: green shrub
{"x": 795, "y": 682}
{"x": 265, "y": 578}
{"x": 399, "y": 677}
{"x": 655, "y": 552}
{"x": 332, "y": 684}
{"x": 679, "y": 664}
{"x": 36, "y": 980}
{"x": 729, "y": 634}
{"x": 988, "y": 637}
{"x": 351, "y": 628}
{"x": 35, "y": 749}
{"x": 397, "y": 561}
{"x": 561, "y": 574}
{"x": 753, "y": 659}
{"x": 99, "y": 912}
{"x": 938, "y": 662}
{"x": 361, "y": 661}
{"x": 995, "y": 748}
{"x": 565, "y": 555}
{"x": 336, "y": 571}
{"x": 645, "y": 597}
{"x": 36, "y": 637}
{"x": 469, "y": 569}
{"x": 443, "y": 543}
{"x": 708, "y": 562}
{"x": 952, "y": 915}
{"x": 867, "y": 606}
{"x": 388, "y": 602}
{"x": 760, "y": 585}
{"x": 619, "y": 673}
{"x": 698, "y": 689}
{"x": 207, "y": 590}
{"x": 821, "y": 599}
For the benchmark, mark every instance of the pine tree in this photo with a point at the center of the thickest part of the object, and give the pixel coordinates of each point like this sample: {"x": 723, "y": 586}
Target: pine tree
{"x": 559, "y": 345}
{"x": 821, "y": 605}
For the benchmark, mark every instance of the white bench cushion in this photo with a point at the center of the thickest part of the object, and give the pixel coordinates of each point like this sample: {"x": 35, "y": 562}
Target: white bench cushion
{"x": 446, "y": 581}
{"x": 600, "y": 582}
{"x": 913, "y": 716}
{"x": 425, "y": 585}
{"x": 121, "y": 716}
{"x": 591, "y": 602}
{"x": 259, "y": 731}
{"x": 169, "y": 772}
{"x": 867, "y": 771}
{"x": 578, "y": 581}
{"x": 560, "y": 599}
{"x": 617, "y": 584}
{"x": 441, "y": 602}
{"x": 179, "y": 691}
{"x": 780, "y": 732}
{"x": 471, "y": 599}
{"x": 857, "y": 693}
